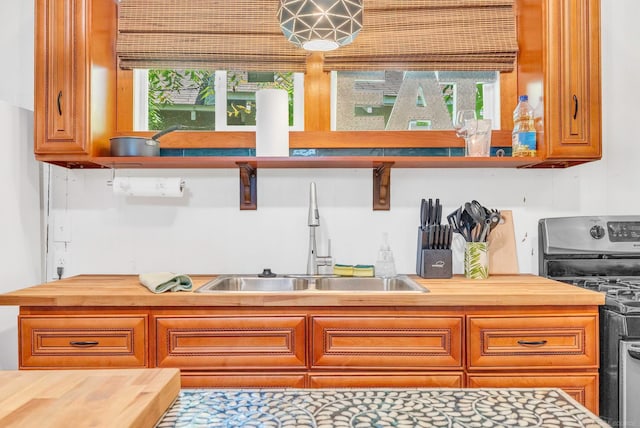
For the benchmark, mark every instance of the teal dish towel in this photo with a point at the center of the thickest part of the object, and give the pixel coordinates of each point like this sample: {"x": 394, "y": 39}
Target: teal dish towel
{"x": 159, "y": 282}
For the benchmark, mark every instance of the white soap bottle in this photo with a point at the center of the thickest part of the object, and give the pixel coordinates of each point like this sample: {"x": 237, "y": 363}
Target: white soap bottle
{"x": 385, "y": 266}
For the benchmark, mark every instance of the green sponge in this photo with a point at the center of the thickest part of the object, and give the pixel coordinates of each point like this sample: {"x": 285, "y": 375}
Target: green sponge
{"x": 343, "y": 270}
{"x": 363, "y": 270}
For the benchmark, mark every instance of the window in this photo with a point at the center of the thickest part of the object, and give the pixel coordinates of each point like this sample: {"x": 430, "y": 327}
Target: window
{"x": 398, "y": 101}
{"x": 192, "y": 98}
{"x": 361, "y": 101}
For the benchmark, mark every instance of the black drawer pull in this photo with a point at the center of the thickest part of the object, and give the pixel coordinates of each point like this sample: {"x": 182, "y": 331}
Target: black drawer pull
{"x": 532, "y": 342}
{"x": 634, "y": 354}
{"x": 575, "y": 107}
{"x": 84, "y": 343}
{"x": 59, "y": 103}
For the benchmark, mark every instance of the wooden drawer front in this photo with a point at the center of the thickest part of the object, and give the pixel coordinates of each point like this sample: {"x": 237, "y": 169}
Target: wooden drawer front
{"x": 533, "y": 341}
{"x": 581, "y": 387}
{"x": 387, "y": 380}
{"x": 231, "y": 342}
{"x": 70, "y": 341}
{"x": 383, "y": 342}
{"x": 242, "y": 380}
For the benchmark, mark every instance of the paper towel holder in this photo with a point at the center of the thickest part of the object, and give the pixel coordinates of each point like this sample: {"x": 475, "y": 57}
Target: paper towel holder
{"x": 182, "y": 183}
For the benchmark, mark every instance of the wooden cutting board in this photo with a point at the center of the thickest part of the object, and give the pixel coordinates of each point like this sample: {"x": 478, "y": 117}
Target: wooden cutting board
{"x": 86, "y": 398}
{"x": 503, "y": 256}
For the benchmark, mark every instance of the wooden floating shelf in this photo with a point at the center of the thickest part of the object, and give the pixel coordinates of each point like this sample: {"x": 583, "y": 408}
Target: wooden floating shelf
{"x": 315, "y": 162}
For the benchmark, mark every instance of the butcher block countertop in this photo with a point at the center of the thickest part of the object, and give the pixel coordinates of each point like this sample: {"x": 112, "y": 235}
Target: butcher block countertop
{"x": 86, "y": 398}
{"x": 125, "y": 290}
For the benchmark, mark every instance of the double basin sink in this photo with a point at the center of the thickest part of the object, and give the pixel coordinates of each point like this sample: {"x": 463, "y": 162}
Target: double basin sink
{"x": 309, "y": 283}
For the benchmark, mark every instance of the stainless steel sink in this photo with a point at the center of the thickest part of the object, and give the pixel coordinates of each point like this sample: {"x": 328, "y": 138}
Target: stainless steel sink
{"x": 396, "y": 284}
{"x": 248, "y": 283}
{"x": 308, "y": 283}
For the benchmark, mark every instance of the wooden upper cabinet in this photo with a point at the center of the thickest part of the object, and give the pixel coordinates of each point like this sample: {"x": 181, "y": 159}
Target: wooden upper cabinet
{"x": 574, "y": 74}
{"x": 79, "y": 94}
{"x": 560, "y": 50}
{"x": 60, "y": 85}
{"x": 75, "y": 83}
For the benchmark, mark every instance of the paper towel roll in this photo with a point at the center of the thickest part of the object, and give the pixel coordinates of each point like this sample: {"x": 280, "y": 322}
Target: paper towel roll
{"x": 148, "y": 186}
{"x": 272, "y": 122}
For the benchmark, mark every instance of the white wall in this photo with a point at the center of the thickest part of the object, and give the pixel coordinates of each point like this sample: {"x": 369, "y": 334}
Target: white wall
{"x": 20, "y": 231}
{"x": 16, "y": 47}
{"x": 205, "y": 232}
{"x": 21, "y": 249}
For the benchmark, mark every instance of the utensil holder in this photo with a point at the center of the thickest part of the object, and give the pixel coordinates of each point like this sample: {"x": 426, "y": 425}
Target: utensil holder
{"x": 435, "y": 264}
{"x": 476, "y": 260}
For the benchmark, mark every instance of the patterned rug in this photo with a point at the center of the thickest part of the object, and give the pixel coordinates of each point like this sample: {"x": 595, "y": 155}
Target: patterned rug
{"x": 482, "y": 408}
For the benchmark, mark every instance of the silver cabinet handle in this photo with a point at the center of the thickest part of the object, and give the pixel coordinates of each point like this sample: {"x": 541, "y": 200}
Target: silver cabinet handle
{"x": 532, "y": 342}
{"x": 84, "y": 343}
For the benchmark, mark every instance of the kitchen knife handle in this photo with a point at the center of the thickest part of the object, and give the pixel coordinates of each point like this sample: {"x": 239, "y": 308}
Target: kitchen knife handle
{"x": 83, "y": 343}
{"x": 532, "y": 342}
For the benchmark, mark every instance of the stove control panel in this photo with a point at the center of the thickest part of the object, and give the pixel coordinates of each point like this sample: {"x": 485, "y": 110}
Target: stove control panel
{"x": 589, "y": 236}
{"x": 623, "y": 231}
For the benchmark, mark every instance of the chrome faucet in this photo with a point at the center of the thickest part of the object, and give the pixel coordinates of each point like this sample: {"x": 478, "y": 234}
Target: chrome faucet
{"x": 313, "y": 260}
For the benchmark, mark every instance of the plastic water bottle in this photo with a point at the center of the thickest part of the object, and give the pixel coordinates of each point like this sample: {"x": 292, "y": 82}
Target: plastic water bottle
{"x": 523, "y": 138}
{"x": 385, "y": 266}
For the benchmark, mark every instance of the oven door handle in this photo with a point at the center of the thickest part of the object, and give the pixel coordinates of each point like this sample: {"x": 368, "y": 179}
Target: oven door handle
{"x": 635, "y": 354}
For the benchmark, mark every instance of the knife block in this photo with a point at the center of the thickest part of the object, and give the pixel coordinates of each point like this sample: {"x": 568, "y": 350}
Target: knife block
{"x": 432, "y": 263}
{"x": 435, "y": 264}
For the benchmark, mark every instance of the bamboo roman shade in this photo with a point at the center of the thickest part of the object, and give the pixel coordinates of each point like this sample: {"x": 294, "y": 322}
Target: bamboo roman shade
{"x": 245, "y": 35}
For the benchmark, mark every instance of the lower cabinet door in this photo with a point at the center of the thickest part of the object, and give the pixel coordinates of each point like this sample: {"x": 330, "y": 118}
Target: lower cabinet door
{"x": 532, "y": 342}
{"x": 581, "y": 387}
{"x": 386, "y": 380}
{"x": 383, "y": 342}
{"x": 241, "y": 380}
{"x": 230, "y": 343}
{"x": 68, "y": 341}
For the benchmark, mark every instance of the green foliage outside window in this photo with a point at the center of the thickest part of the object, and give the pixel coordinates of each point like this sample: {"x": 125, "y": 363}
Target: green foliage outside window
{"x": 165, "y": 85}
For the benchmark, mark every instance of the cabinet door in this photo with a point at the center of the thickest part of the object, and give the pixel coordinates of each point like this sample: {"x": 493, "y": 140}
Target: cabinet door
{"x": 68, "y": 341}
{"x": 521, "y": 342}
{"x": 581, "y": 387}
{"x": 386, "y": 380}
{"x": 60, "y": 79}
{"x": 573, "y": 79}
{"x": 386, "y": 342}
{"x": 241, "y": 380}
{"x": 267, "y": 342}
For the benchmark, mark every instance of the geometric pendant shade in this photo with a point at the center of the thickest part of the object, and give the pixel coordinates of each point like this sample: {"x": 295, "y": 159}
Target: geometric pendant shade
{"x": 320, "y": 25}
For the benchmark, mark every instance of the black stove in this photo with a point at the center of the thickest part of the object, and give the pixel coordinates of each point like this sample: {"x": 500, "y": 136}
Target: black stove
{"x": 622, "y": 294}
{"x": 602, "y": 253}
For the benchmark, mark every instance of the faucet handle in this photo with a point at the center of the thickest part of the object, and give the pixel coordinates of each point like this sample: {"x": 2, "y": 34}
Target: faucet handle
{"x": 325, "y": 260}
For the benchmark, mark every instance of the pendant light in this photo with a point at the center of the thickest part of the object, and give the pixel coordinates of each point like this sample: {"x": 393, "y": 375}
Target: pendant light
{"x": 320, "y": 25}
